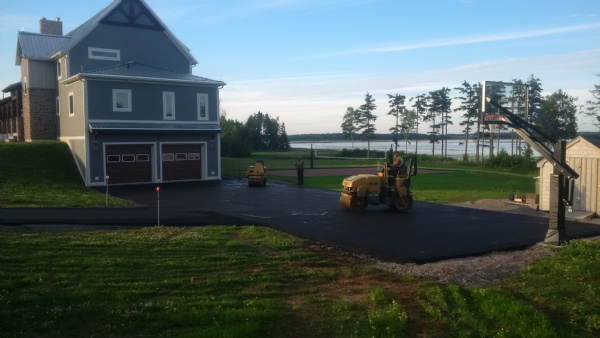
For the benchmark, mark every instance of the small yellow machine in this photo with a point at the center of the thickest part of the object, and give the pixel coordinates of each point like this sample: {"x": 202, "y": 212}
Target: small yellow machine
{"x": 257, "y": 174}
{"x": 389, "y": 187}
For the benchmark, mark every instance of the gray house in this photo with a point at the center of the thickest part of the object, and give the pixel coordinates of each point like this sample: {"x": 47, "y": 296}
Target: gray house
{"x": 119, "y": 91}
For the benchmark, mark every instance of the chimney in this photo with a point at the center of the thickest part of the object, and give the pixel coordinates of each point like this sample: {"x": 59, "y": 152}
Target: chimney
{"x": 51, "y": 27}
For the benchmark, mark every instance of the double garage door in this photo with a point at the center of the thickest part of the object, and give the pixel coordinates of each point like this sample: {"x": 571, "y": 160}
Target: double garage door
{"x": 133, "y": 163}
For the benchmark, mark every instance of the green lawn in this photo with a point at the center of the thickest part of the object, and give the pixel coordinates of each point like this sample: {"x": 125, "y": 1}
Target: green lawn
{"x": 228, "y": 281}
{"x": 43, "y": 174}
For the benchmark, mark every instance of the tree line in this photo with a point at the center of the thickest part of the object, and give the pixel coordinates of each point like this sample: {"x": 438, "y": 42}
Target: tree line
{"x": 260, "y": 132}
{"x": 558, "y": 115}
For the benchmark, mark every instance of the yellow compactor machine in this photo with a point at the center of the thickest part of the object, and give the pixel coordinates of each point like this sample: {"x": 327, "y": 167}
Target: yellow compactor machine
{"x": 257, "y": 174}
{"x": 389, "y": 187}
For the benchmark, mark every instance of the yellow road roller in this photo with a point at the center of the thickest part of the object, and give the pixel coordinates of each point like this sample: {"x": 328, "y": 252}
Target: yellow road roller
{"x": 389, "y": 186}
{"x": 257, "y": 174}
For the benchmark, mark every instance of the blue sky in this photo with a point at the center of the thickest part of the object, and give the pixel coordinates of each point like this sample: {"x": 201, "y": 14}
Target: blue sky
{"x": 306, "y": 61}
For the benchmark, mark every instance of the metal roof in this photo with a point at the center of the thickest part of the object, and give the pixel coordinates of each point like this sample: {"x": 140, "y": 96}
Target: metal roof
{"x": 153, "y": 127}
{"x": 14, "y": 86}
{"x": 132, "y": 71}
{"x": 36, "y": 46}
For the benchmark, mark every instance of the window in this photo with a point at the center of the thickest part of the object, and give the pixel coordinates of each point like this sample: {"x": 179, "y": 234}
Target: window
{"x": 168, "y": 105}
{"x": 71, "y": 105}
{"x": 194, "y": 157}
{"x": 168, "y": 157}
{"x": 128, "y": 158}
{"x": 104, "y": 54}
{"x": 181, "y": 157}
{"x": 57, "y": 106}
{"x": 202, "y": 106}
{"x": 121, "y": 100}
{"x": 113, "y": 158}
{"x": 24, "y": 84}
{"x": 58, "y": 70}
{"x": 143, "y": 157}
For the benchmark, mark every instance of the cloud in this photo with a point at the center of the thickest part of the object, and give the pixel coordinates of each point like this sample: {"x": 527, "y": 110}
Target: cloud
{"x": 464, "y": 40}
{"x": 315, "y": 103}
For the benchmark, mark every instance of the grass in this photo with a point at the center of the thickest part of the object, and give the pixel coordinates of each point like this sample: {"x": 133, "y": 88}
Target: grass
{"x": 229, "y": 281}
{"x": 43, "y": 174}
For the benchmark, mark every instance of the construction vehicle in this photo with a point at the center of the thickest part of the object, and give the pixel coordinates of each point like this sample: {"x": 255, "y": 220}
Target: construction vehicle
{"x": 390, "y": 187}
{"x": 257, "y": 174}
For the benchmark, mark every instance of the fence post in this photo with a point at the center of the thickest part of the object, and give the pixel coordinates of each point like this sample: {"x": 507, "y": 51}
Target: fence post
{"x": 312, "y": 156}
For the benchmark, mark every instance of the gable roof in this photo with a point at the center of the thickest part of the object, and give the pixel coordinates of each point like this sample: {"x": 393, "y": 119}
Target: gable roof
{"x": 133, "y": 13}
{"x": 35, "y": 46}
{"x": 141, "y": 72}
{"x": 593, "y": 139}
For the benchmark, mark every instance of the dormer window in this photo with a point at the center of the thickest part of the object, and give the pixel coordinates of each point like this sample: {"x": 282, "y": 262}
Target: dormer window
{"x": 104, "y": 54}
{"x": 58, "y": 69}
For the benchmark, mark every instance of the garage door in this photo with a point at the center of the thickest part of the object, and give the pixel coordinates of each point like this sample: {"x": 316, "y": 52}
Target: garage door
{"x": 181, "y": 162}
{"x": 129, "y": 164}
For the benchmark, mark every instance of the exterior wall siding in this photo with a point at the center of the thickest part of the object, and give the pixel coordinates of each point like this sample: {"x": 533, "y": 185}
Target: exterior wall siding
{"x": 147, "y": 101}
{"x": 42, "y": 74}
{"x": 133, "y": 46}
{"x": 584, "y": 158}
{"x": 78, "y": 149}
{"x": 72, "y": 126}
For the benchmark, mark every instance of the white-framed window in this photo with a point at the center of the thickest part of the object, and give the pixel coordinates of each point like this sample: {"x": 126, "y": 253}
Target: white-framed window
{"x": 181, "y": 157}
{"x": 25, "y": 84}
{"x": 121, "y": 100}
{"x": 168, "y": 157}
{"x": 128, "y": 158}
{"x": 202, "y": 102}
{"x": 59, "y": 69}
{"x": 71, "y": 104}
{"x": 104, "y": 54}
{"x": 169, "y": 105}
{"x": 193, "y": 157}
{"x": 57, "y": 106}
{"x": 142, "y": 157}
{"x": 113, "y": 158}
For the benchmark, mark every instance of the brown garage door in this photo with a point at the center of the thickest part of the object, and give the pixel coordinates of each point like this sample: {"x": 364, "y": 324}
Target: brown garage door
{"x": 129, "y": 163}
{"x": 181, "y": 162}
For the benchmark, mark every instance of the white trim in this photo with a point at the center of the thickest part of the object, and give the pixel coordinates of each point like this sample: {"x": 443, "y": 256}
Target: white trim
{"x": 71, "y": 108}
{"x": 203, "y": 158}
{"x": 92, "y": 50}
{"x": 57, "y": 108}
{"x": 59, "y": 72}
{"x": 153, "y": 161}
{"x": 116, "y": 92}
{"x": 167, "y": 107}
{"x": 199, "y": 98}
{"x": 193, "y": 122}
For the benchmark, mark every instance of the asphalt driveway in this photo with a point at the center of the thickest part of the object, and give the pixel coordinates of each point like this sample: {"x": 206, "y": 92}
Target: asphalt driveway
{"x": 429, "y": 232}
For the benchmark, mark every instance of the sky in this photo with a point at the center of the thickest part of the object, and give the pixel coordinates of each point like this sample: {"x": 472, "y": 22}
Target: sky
{"x": 307, "y": 61}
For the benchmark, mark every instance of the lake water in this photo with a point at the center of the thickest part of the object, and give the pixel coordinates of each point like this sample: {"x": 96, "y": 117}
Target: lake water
{"x": 455, "y": 148}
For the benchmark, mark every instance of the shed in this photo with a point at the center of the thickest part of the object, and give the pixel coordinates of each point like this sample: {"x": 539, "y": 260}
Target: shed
{"x": 583, "y": 155}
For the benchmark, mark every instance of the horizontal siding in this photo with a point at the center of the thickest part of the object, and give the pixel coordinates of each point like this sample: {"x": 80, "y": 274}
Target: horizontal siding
{"x": 147, "y": 101}
{"x": 151, "y": 47}
{"x": 42, "y": 74}
{"x": 73, "y": 126}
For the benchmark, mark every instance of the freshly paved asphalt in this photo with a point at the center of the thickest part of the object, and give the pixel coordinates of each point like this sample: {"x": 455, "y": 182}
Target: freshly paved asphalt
{"x": 429, "y": 232}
